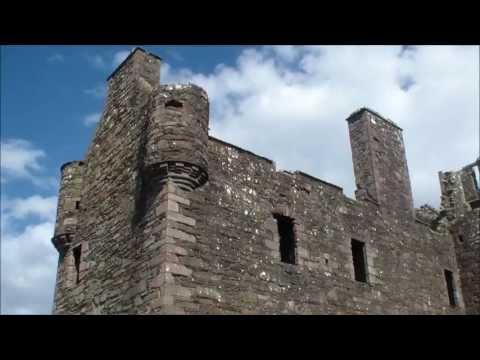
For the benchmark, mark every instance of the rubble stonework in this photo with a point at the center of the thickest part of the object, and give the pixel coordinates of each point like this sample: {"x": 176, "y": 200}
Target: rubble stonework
{"x": 161, "y": 218}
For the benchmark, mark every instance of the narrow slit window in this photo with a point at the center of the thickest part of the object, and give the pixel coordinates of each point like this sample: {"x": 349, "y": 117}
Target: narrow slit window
{"x": 359, "y": 261}
{"x": 287, "y": 238}
{"x": 77, "y": 205}
{"x": 450, "y": 288}
{"x": 77, "y": 253}
{"x": 460, "y": 238}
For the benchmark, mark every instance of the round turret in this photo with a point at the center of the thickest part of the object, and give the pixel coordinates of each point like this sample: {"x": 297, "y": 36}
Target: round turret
{"x": 68, "y": 204}
{"x": 177, "y": 136}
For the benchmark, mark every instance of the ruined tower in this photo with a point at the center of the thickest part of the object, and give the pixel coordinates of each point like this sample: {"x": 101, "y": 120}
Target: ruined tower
{"x": 379, "y": 161}
{"x": 65, "y": 237}
{"x": 150, "y": 144}
{"x": 461, "y": 206}
{"x": 161, "y": 218}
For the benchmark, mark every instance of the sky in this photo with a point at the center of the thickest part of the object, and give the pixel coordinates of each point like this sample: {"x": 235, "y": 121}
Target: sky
{"x": 287, "y": 103}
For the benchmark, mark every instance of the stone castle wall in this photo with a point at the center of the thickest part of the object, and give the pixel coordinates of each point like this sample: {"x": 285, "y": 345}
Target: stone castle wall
{"x": 234, "y": 266}
{"x": 172, "y": 221}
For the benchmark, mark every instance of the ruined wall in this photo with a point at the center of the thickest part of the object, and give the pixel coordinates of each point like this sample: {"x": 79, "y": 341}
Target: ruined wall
{"x": 461, "y": 205}
{"x": 466, "y": 233}
{"x": 175, "y": 222}
{"x": 234, "y": 266}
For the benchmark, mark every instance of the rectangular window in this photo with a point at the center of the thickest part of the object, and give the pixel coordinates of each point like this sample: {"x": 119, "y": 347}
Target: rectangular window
{"x": 359, "y": 261}
{"x": 77, "y": 205}
{"x": 77, "y": 253}
{"x": 450, "y": 288}
{"x": 287, "y": 238}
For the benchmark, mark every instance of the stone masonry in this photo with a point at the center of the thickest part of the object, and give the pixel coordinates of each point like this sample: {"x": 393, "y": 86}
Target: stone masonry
{"x": 161, "y": 218}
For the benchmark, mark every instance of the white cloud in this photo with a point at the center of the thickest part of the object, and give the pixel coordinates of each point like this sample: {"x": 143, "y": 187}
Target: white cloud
{"x": 91, "y": 119}
{"x": 19, "y": 157}
{"x": 99, "y": 91}
{"x": 103, "y": 62}
{"x": 119, "y": 56}
{"x": 301, "y": 96}
{"x": 38, "y": 206}
{"x": 288, "y": 53}
{"x": 176, "y": 55}
{"x": 21, "y": 160}
{"x": 97, "y": 61}
{"x": 28, "y": 259}
{"x": 56, "y": 58}
{"x": 171, "y": 75}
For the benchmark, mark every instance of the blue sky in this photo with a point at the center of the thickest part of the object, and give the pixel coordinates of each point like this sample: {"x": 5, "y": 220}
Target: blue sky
{"x": 287, "y": 103}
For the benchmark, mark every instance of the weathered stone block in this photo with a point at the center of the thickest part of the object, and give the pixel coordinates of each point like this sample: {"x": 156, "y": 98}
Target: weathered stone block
{"x": 181, "y": 219}
{"x": 176, "y": 269}
{"x": 180, "y": 235}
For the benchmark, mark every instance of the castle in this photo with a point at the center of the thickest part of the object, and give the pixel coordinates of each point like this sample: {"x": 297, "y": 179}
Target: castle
{"x": 161, "y": 218}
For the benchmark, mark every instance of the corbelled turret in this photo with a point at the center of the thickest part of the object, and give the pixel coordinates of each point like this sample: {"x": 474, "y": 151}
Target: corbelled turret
{"x": 69, "y": 203}
{"x": 177, "y": 136}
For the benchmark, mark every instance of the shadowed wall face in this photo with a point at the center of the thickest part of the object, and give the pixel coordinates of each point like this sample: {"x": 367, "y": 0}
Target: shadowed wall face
{"x": 111, "y": 181}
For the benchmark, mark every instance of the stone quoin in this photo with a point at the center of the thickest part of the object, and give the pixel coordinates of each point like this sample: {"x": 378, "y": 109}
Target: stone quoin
{"x": 161, "y": 218}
